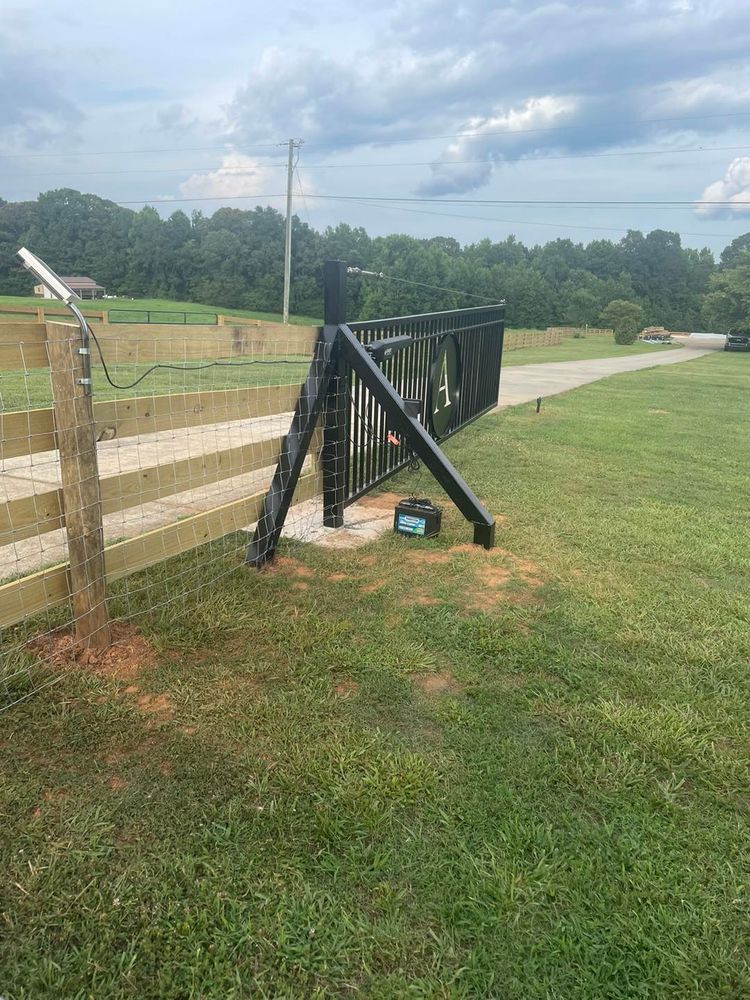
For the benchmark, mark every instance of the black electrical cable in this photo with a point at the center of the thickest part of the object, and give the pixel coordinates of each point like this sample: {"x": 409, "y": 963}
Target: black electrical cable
{"x": 363, "y": 420}
{"x": 180, "y": 368}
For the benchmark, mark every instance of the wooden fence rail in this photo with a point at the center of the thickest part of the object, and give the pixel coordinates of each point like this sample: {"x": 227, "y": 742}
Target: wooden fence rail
{"x": 581, "y": 331}
{"x": 40, "y": 314}
{"x": 69, "y": 431}
{"x": 517, "y": 339}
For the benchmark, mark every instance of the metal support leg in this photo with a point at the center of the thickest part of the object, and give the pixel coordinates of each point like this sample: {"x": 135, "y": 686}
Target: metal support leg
{"x": 294, "y": 451}
{"x": 335, "y": 438}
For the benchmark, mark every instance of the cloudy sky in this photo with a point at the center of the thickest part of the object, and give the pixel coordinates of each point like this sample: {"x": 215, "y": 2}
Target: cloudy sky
{"x": 447, "y": 106}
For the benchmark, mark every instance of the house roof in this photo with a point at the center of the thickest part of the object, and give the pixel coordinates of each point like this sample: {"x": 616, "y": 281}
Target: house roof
{"x": 80, "y": 282}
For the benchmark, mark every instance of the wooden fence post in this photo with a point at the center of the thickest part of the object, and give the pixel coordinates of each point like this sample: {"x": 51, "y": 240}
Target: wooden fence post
{"x": 75, "y": 434}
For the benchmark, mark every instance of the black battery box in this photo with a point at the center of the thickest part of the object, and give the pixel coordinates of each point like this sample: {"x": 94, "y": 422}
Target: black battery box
{"x": 418, "y": 518}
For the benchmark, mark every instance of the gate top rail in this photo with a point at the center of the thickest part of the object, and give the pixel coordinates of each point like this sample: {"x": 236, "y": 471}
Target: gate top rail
{"x": 370, "y": 324}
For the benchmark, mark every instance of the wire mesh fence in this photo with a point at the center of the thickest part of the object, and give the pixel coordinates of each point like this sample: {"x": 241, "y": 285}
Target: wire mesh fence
{"x": 141, "y": 465}
{"x": 137, "y": 497}
{"x": 171, "y": 316}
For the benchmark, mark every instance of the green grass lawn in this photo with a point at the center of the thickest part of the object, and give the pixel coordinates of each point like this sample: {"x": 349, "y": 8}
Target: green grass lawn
{"x": 580, "y": 349}
{"x": 32, "y": 389}
{"x": 419, "y": 769}
{"x": 28, "y": 390}
{"x": 134, "y": 308}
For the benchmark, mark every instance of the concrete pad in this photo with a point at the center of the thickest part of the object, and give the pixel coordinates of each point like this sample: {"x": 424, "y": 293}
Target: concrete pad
{"x": 363, "y": 523}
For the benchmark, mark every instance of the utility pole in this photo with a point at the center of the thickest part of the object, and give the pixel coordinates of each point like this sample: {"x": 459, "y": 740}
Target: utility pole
{"x": 291, "y": 164}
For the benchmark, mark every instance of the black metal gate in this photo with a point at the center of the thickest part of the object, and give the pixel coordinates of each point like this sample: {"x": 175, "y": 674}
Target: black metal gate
{"x": 425, "y": 378}
{"x": 373, "y": 452}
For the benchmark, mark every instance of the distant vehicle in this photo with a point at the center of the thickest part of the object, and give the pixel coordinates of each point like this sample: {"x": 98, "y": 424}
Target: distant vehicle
{"x": 657, "y": 338}
{"x": 738, "y": 339}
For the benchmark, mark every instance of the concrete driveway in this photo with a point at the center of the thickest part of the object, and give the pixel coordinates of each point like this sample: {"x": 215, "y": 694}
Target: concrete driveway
{"x": 524, "y": 383}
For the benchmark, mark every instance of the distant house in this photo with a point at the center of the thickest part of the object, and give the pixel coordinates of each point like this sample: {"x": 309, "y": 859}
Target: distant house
{"x": 85, "y": 288}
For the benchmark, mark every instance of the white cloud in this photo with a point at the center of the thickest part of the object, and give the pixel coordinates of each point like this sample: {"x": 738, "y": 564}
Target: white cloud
{"x": 734, "y": 188}
{"x": 595, "y": 74}
{"x": 238, "y": 176}
{"x": 454, "y": 175}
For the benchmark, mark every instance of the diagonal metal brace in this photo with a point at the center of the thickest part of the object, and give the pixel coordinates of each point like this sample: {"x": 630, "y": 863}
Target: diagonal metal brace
{"x": 294, "y": 450}
{"x": 420, "y": 442}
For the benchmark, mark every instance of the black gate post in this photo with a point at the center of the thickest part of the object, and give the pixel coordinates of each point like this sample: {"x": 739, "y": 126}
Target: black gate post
{"x": 335, "y": 440}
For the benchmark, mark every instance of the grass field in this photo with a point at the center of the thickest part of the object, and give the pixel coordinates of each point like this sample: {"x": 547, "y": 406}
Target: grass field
{"x": 573, "y": 349}
{"x": 136, "y": 307}
{"x": 27, "y": 391}
{"x": 422, "y": 770}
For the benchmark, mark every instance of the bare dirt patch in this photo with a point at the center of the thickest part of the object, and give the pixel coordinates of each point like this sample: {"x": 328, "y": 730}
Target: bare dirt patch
{"x": 287, "y": 564}
{"x": 116, "y": 783}
{"x": 158, "y": 705}
{"x": 381, "y": 501}
{"x": 486, "y": 599}
{"x": 440, "y": 683}
{"x": 371, "y": 588}
{"x": 656, "y": 412}
{"x": 420, "y": 598}
{"x": 526, "y": 569}
{"x": 493, "y": 576}
{"x": 128, "y": 656}
{"x": 347, "y": 689}
{"x": 337, "y": 577}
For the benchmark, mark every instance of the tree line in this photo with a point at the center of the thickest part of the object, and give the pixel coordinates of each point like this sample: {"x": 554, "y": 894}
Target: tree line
{"x": 233, "y": 259}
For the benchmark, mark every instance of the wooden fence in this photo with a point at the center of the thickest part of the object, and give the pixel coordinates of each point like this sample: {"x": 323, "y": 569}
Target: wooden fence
{"x": 72, "y": 427}
{"x": 517, "y": 339}
{"x": 581, "y": 331}
{"x": 41, "y": 313}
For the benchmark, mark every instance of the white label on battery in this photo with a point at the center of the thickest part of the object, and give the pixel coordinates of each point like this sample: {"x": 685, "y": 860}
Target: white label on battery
{"x": 411, "y": 525}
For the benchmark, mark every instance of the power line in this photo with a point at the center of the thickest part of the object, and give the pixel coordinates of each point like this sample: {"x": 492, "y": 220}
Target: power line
{"x": 422, "y": 284}
{"x": 531, "y": 201}
{"x": 280, "y": 165}
{"x": 385, "y": 141}
{"x": 525, "y": 222}
{"x": 267, "y": 162}
{"x": 551, "y": 128}
{"x": 482, "y": 202}
{"x": 302, "y": 195}
{"x": 526, "y": 159}
{"x": 135, "y": 152}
